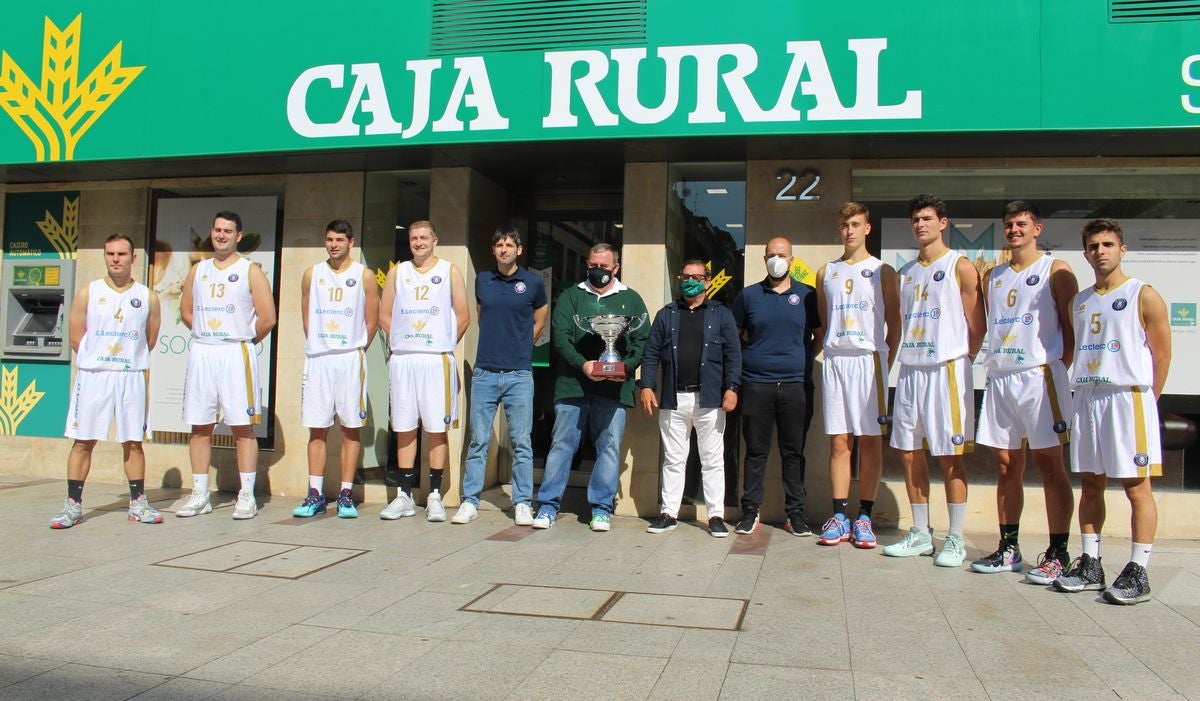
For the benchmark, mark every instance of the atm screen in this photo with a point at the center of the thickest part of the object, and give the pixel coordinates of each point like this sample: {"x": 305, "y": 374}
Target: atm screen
{"x": 39, "y": 324}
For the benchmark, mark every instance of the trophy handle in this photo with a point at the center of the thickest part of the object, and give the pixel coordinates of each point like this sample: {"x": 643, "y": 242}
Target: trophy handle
{"x": 584, "y": 327}
{"x": 636, "y": 323}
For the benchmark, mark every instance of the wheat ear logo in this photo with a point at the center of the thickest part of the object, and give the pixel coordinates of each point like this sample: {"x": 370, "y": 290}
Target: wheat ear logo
{"x": 64, "y": 235}
{"x": 15, "y": 407}
{"x": 56, "y": 113}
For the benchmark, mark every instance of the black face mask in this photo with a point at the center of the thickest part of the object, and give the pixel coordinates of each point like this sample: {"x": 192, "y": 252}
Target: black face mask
{"x": 598, "y": 277}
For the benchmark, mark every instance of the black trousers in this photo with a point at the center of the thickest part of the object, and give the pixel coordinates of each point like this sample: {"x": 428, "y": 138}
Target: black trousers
{"x": 767, "y": 407}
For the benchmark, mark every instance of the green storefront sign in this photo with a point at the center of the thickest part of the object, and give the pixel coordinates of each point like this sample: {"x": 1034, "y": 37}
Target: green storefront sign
{"x": 96, "y": 80}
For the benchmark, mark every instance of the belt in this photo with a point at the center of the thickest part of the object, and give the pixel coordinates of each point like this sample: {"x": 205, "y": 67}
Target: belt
{"x": 688, "y": 388}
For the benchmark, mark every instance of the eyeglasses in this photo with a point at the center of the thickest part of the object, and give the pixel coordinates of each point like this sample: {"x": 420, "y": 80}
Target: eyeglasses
{"x": 701, "y": 277}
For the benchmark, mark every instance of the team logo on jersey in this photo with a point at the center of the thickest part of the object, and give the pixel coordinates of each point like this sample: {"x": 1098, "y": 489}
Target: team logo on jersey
{"x": 864, "y": 306}
{"x": 249, "y": 411}
{"x": 351, "y": 282}
{"x": 135, "y": 303}
{"x": 999, "y": 283}
{"x": 115, "y": 349}
{"x": 868, "y": 273}
{"x": 1141, "y": 460}
{"x": 935, "y": 313}
{"x": 1080, "y": 309}
{"x": 519, "y": 288}
{"x": 1120, "y": 304}
{"x": 133, "y": 335}
{"x": 362, "y": 413}
{"x": 793, "y": 300}
{"x": 1060, "y": 426}
{"x": 1114, "y": 345}
{"x": 1093, "y": 366}
{"x": 446, "y": 420}
{"x": 233, "y": 277}
{"x": 418, "y": 326}
{"x": 332, "y": 326}
{"x": 918, "y": 332}
{"x": 229, "y": 308}
{"x": 1027, "y": 319}
{"x": 1009, "y": 339}
{"x": 102, "y": 300}
{"x": 349, "y": 311}
{"x": 214, "y": 324}
{"x": 1032, "y": 280}
{"x": 436, "y": 279}
{"x": 834, "y": 276}
{"x": 434, "y": 311}
{"x": 939, "y": 276}
{"x": 883, "y": 419}
{"x": 958, "y": 439}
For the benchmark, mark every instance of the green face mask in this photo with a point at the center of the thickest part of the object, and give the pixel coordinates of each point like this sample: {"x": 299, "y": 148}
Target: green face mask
{"x": 691, "y": 288}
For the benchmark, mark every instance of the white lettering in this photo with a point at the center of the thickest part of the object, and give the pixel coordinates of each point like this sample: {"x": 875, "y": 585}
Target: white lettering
{"x": 1192, "y": 80}
{"x": 631, "y": 107}
{"x": 473, "y": 76}
{"x": 423, "y": 73}
{"x": 370, "y": 96}
{"x": 745, "y": 58}
{"x": 297, "y": 107}
{"x": 561, "y": 66}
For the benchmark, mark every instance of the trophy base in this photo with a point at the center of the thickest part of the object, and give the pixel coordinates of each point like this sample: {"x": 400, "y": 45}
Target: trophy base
{"x": 608, "y": 370}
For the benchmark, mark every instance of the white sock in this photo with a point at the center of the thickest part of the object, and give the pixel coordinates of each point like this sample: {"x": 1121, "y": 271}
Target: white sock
{"x": 200, "y": 483}
{"x": 958, "y": 516}
{"x": 1091, "y": 544}
{"x": 347, "y": 485}
{"x": 920, "y": 514}
{"x": 1140, "y": 553}
{"x": 316, "y": 482}
{"x": 248, "y": 480}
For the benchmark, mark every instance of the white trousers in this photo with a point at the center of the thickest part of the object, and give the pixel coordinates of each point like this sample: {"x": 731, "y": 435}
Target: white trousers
{"x": 676, "y": 428}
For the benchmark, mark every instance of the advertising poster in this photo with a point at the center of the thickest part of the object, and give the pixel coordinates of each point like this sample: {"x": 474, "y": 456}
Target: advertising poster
{"x": 181, "y": 239}
{"x": 1162, "y": 252}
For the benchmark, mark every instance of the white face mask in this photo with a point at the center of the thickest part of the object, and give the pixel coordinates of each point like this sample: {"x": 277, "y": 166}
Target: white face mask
{"x": 777, "y": 267}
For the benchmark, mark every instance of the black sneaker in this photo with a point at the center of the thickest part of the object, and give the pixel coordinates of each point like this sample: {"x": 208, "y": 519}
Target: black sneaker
{"x": 1132, "y": 586}
{"x": 716, "y": 527}
{"x": 1007, "y": 558}
{"x": 1084, "y": 573}
{"x": 748, "y": 524}
{"x": 796, "y": 525}
{"x": 662, "y": 524}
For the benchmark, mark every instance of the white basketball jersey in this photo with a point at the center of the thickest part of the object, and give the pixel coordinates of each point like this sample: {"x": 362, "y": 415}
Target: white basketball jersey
{"x": 1023, "y": 329}
{"x": 337, "y": 319}
{"x": 933, "y": 328}
{"x": 115, "y": 335}
{"x": 854, "y": 294}
{"x": 1111, "y": 341}
{"x": 223, "y": 308}
{"x": 423, "y": 317}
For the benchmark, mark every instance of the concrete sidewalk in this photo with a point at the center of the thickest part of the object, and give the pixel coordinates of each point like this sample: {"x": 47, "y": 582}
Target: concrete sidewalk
{"x": 283, "y": 608}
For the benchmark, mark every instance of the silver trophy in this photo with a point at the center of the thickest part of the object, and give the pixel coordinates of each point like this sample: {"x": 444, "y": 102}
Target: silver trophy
{"x": 609, "y": 327}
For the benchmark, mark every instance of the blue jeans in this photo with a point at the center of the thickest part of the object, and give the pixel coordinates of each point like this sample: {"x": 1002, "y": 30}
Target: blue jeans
{"x": 513, "y": 388}
{"x": 604, "y": 419}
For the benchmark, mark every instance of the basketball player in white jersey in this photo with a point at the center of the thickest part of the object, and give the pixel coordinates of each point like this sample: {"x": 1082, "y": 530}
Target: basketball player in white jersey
{"x": 339, "y": 300}
{"x": 1025, "y": 401}
{"x": 113, "y": 326}
{"x": 942, "y": 326}
{"x": 1123, "y": 352}
{"x": 424, "y": 312}
{"x": 228, "y": 305}
{"x": 858, "y": 298}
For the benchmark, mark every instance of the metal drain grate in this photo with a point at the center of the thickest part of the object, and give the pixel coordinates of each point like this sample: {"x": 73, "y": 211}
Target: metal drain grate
{"x": 263, "y": 559}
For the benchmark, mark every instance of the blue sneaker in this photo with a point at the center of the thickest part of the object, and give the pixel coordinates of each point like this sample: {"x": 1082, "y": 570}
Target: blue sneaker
{"x": 835, "y": 531}
{"x": 345, "y": 504}
{"x": 861, "y": 535}
{"x": 545, "y": 518}
{"x": 312, "y": 505}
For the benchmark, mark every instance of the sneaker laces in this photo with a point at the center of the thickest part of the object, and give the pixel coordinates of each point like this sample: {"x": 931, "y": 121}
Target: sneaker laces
{"x": 245, "y": 499}
{"x": 345, "y": 500}
{"x": 196, "y": 500}
{"x": 831, "y": 524}
{"x": 312, "y": 499}
{"x": 1076, "y": 568}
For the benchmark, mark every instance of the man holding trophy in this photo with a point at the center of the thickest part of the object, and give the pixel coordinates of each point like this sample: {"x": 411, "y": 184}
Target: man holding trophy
{"x": 599, "y": 331}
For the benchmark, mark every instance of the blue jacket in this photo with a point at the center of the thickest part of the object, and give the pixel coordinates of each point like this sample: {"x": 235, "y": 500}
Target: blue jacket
{"x": 720, "y": 361}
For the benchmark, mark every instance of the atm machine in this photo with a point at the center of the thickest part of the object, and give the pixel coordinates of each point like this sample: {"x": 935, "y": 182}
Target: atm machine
{"x": 37, "y": 294}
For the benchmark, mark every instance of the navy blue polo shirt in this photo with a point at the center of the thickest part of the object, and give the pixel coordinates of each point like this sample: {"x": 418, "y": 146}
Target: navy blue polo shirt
{"x": 506, "y": 306}
{"x": 778, "y": 330}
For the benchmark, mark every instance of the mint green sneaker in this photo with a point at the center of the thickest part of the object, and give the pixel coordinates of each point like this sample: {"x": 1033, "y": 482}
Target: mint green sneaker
{"x": 600, "y": 522}
{"x": 917, "y": 542}
{"x": 953, "y": 552}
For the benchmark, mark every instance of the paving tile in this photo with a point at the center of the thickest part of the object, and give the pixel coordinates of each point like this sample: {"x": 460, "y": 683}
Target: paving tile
{"x": 299, "y": 562}
{"x": 249, "y": 692}
{"x": 247, "y": 661}
{"x": 82, "y": 682}
{"x": 753, "y": 681}
{"x": 689, "y": 679}
{"x": 463, "y": 669}
{"x": 685, "y": 611}
{"x": 591, "y": 675}
{"x": 423, "y": 614}
{"x": 543, "y": 601}
{"x": 995, "y": 656}
{"x": 890, "y": 649}
{"x": 715, "y": 645}
{"x": 181, "y": 689}
{"x": 224, "y": 558}
{"x": 515, "y": 631}
{"x": 1174, "y": 664}
{"x": 776, "y": 643}
{"x": 622, "y": 639}
{"x": 1024, "y": 689}
{"x": 14, "y": 668}
{"x": 872, "y": 686}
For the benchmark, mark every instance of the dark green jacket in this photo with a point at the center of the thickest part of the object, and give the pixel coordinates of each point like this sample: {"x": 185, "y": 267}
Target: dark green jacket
{"x": 575, "y": 347}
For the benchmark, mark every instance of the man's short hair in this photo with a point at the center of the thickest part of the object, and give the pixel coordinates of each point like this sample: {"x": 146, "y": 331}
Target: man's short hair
{"x": 1099, "y": 226}
{"x": 229, "y": 216}
{"x": 853, "y": 209}
{"x": 694, "y": 261}
{"x": 1016, "y": 207}
{"x": 602, "y": 247}
{"x": 340, "y": 226}
{"x": 423, "y": 224}
{"x": 920, "y": 202}
{"x": 507, "y": 232}
{"x": 120, "y": 237}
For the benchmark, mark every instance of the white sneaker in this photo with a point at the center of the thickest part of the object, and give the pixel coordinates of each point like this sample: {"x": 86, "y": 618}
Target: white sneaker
{"x": 434, "y": 511}
{"x": 198, "y": 503}
{"x": 522, "y": 515}
{"x": 466, "y": 513}
{"x": 246, "y": 506}
{"x": 400, "y": 507}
